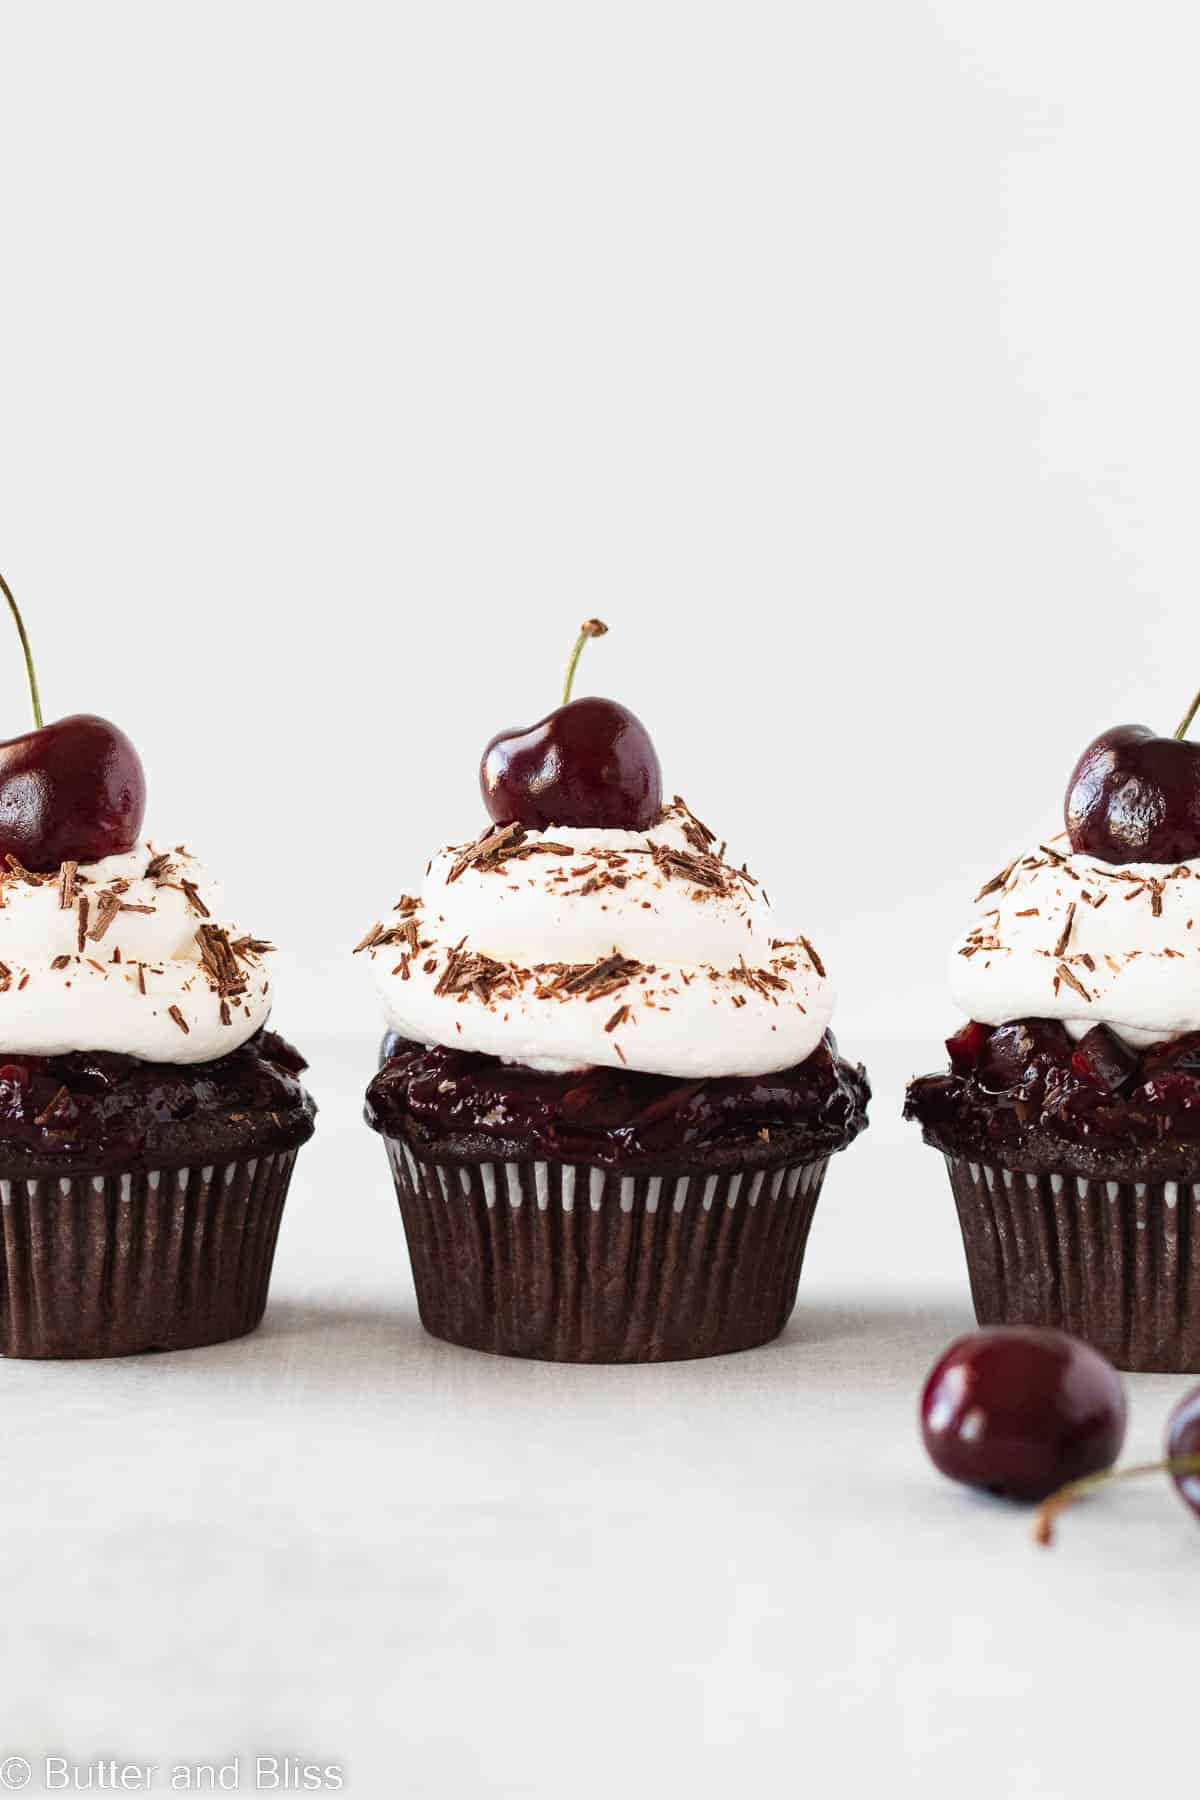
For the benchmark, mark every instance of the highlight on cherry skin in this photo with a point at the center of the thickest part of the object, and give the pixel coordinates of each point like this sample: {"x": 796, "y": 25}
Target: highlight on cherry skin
{"x": 590, "y": 763}
{"x": 70, "y": 791}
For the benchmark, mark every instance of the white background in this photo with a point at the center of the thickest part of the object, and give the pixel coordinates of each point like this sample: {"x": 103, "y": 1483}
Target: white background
{"x": 844, "y": 358}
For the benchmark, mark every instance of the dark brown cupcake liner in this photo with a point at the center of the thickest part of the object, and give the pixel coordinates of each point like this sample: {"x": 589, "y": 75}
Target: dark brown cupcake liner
{"x": 1115, "y": 1262}
{"x": 571, "y": 1263}
{"x": 108, "y": 1265}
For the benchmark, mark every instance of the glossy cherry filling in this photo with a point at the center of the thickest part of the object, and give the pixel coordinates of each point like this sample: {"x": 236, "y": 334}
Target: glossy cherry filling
{"x": 113, "y": 1110}
{"x": 1025, "y": 1090}
{"x": 453, "y": 1101}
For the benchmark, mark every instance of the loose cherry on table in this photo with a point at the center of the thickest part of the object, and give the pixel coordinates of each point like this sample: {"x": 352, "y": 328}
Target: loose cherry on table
{"x": 73, "y": 790}
{"x": 1135, "y": 796}
{"x": 591, "y": 763}
{"x": 1181, "y": 1463}
{"x": 1019, "y": 1411}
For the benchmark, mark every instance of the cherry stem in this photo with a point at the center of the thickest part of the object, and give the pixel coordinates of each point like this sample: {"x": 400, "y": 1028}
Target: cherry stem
{"x": 1048, "y": 1511}
{"x": 1185, "y": 724}
{"x": 29, "y": 668}
{"x": 589, "y": 629}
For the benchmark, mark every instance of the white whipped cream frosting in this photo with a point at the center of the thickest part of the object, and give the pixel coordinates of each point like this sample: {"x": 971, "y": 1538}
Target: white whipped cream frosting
{"x": 701, "y": 987}
{"x": 116, "y": 960}
{"x": 1063, "y": 936}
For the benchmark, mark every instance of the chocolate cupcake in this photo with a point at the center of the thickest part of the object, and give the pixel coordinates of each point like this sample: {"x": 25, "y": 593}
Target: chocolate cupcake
{"x": 1070, "y": 1115}
{"x": 609, "y": 1095}
{"x": 148, "y": 1119}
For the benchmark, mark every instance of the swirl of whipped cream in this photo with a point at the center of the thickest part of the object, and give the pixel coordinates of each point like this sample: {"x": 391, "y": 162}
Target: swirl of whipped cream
{"x": 575, "y": 948}
{"x": 1062, "y": 936}
{"x": 132, "y": 954}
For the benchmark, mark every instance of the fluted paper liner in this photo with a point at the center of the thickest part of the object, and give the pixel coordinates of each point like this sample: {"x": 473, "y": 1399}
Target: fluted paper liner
{"x": 1115, "y": 1262}
{"x": 572, "y": 1263}
{"x": 106, "y": 1265}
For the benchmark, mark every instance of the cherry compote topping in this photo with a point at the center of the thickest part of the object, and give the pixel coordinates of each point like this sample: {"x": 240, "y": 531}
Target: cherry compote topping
{"x": 615, "y": 1115}
{"x": 1025, "y": 1090}
{"x": 114, "y": 1109}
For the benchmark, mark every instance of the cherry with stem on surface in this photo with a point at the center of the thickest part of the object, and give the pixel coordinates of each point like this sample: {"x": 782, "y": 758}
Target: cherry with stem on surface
{"x": 1181, "y": 1463}
{"x": 1135, "y": 796}
{"x": 70, "y": 791}
{"x": 590, "y": 763}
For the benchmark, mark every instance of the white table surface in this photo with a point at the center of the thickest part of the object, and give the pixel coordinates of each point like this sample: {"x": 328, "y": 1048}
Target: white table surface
{"x": 456, "y": 1575}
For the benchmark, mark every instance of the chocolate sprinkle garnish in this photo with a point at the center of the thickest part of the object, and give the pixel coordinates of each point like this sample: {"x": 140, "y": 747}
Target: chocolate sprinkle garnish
{"x": 251, "y": 948}
{"x": 813, "y": 958}
{"x": 488, "y": 849}
{"x": 160, "y": 868}
{"x": 108, "y": 905}
{"x": 1063, "y": 973}
{"x": 1065, "y": 936}
{"x": 998, "y": 881}
{"x": 219, "y": 962}
{"x": 468, "y": 972}
{"x": 192, "y": 894}
{"x": 28, "y": 875}
{"x": 592, "y": 980}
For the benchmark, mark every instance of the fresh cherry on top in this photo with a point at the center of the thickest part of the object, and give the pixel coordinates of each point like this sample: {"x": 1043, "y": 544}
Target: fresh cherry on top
{"x": 590, "y": 763}
{"x": 1135, "y": 796}
{"x": 71, "y": 791}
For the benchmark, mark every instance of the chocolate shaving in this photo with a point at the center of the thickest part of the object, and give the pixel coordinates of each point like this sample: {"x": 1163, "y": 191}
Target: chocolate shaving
{"x": 813, "y": 958}
{"x": 700, "y": 868}
{"x": 192, "y": 894}
{"x": 592, "y": 980}
{"x": 108, "y": 905}
{"x": 487, "y": 850}
{"x": 219, "y": 962}
{"x": 24, "y": 874}
{"x": 694, "y": 830}
{"x": 1063, "y": 973}
{"x": 1065, "y": 935}
{"x": 179, "y": 1019}
{"x": 82, "y": 923}
{"x": 619, "y": 1017}
{"x": 60, "y": 962}
{"x": 467, "y": 972}
{"x": 159, "y": 869}
{"x": 66, "y": 885}
{"x": 998, "y": 881}
{"x": 250, "y": 949}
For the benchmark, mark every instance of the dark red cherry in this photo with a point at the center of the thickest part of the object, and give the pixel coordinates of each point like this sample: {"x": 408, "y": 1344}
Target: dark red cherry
{"x": 1023, "y": 1050}
{"x": 1019, "y": 1411}
{"x": 1101, "y": 1058}
{"x": 1183, "y": 1441}
{"x": 966, "y": 1046}
{"x": 1135, "y": 797}
{"x": 74, "y": 790}
{"x": 591, "y": 762}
